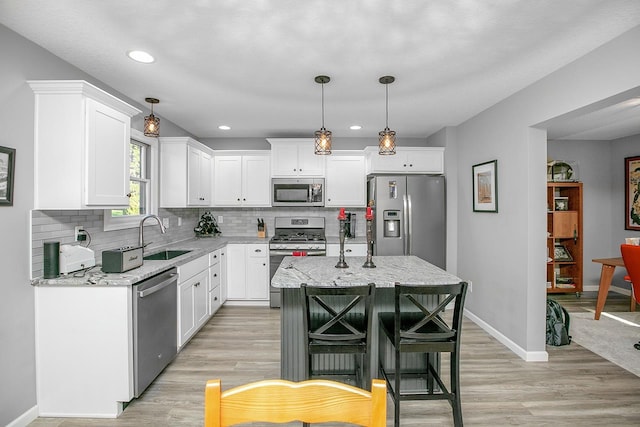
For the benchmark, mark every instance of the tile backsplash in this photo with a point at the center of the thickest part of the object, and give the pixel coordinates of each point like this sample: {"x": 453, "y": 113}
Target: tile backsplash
{"x": 58, "y": 225}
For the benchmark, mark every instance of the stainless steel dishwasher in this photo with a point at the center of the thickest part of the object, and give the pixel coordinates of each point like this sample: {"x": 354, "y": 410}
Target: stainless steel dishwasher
{"x": 155, "y": 327}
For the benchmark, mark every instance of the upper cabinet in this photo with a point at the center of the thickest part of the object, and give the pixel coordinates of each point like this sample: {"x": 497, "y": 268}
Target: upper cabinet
{"x": 295, "y": 157}
{"x": 242, "y": 179}
{"x": 185, "y": 173}
{"x": 407, "y": 160}
{"x": 81, "y": 151}
{"x": 346, "y": 180}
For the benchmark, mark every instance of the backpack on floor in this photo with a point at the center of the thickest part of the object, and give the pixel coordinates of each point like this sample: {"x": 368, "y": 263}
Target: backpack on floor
{"x": 557, "y": 324}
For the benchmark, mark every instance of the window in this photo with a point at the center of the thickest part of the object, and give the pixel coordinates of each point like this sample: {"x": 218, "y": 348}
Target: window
{"x": 143, "y": 170}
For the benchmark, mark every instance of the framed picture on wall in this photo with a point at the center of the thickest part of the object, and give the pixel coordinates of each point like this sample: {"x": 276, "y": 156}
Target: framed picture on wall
{"x": 632, "y": 193}
{"x": 7, "y": 165}
{"x": 485, "y": 187}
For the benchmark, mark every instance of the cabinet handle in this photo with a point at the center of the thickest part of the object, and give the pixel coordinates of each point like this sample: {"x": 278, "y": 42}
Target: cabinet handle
{"x": 215, "y": 298}
{"x": 347, "y": 250}
{"x": 264, "y": 264}
{"x": 238, "y": 198}
{"x": 215, "y": 256}
{"x": 258, "y": 250}
{"x": 405, "y": 165}
{"x": 244, "y": 200}
{"x": 410, "y": 165}
{"x": 196, "y": 284}
{"x": 128, "y": 194}
{"x": 215, "y": 274}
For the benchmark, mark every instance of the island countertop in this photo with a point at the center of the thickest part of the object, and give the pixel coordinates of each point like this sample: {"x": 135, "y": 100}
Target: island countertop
{"x": 321, "y": 271}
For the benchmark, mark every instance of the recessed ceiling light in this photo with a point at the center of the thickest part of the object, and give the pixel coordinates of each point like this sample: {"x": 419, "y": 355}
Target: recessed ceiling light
{"x": 141, "y": 56}
{"x": 224, "y": 127}
{"x": 355, "y": 127}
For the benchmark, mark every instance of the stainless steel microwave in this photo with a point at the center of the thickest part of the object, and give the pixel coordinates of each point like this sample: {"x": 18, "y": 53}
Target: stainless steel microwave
{"x": 297, "y": 191}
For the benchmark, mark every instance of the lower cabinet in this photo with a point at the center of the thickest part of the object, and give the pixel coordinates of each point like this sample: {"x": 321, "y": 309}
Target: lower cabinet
{"x": 215, "y": 281}
{"x": 248, "y": 274}
{"x": 350, "y": 249}
{"x": 193, "y": 298}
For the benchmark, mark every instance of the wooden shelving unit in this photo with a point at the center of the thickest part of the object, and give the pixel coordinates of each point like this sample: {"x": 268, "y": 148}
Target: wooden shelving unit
{"x": 564, "y": 237}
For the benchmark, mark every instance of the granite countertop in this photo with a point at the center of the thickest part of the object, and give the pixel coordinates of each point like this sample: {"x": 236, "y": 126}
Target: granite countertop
{"x": 197, "y": 246}
{"x": 321, "y": 271}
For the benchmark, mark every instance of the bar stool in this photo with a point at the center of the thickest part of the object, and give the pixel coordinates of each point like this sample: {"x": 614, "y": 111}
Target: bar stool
{"x": 337, "y": 320}
{"x": 415, "y": 328}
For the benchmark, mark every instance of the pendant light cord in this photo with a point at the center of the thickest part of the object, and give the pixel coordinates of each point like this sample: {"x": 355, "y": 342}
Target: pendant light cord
{"x": 386, "y": 87}
{"x": 322, "y": 105}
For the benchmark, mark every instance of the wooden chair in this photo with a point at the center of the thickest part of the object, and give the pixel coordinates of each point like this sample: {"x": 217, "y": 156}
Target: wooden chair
{"x": 281, "y": 401}
{"x": 631, "y": 257}
{"x": 413, "y": 328}
{"x": 337, "y": 320}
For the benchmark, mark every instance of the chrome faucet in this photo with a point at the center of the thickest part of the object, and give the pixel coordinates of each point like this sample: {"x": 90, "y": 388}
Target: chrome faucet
{"x": 141, "y": 229}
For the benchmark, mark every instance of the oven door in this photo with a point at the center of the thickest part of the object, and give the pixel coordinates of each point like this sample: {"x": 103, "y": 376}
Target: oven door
{"x": 275, "y": 259}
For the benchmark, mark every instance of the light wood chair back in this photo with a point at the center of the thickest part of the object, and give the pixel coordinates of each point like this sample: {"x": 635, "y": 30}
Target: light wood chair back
{"x": 281, "y": 401}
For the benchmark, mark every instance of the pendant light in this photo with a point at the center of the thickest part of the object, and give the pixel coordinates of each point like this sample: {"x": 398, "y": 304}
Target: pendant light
{"x": 323, "y": 136}
{"x": 387, "y": 137}
{"x": 151, "y": 122}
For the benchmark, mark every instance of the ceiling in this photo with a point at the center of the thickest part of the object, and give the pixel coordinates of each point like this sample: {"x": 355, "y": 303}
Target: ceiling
{"x": 251, "y": 64}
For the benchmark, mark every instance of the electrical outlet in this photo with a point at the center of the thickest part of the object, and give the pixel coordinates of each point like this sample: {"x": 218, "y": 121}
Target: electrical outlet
{"x": 179, "y": 221}
{"x": 76, "y": 233}
{"x": 165, "y": 222}
{"x": 470, "y": 285}
{"x": 220, "y": 219}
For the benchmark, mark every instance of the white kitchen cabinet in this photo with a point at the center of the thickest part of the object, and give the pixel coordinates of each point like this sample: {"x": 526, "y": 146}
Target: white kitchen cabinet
{"x": 215, "y": 281}
{"x": 350, "y": 249}
{"x": 185, "y": 173}
{"x": 248, "y": 274}
{"x": 295, "y": 157}
{"x": 428, "y": 160}
{"x": 81, "y": 151}
{"x": 241, "y": 179}
{"x": 346, "y": 181}
{"x": 193, "y": 298}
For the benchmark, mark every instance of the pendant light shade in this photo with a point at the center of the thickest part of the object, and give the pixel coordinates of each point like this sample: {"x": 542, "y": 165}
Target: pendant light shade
{"x": 322, "y": 136}
{"x": 151, "y": 122}
{"x": 387, "y": 137}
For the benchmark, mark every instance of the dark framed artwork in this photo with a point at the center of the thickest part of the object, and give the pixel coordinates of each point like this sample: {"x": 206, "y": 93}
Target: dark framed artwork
{"x": 632, "y": 193}
{"x": 485, "y": 187}
{"x": 560, "y": 253}
{"x": 7, "y": 166}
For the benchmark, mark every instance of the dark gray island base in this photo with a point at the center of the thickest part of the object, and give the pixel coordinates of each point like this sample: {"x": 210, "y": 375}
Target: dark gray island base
{"x": 321, "y": 271}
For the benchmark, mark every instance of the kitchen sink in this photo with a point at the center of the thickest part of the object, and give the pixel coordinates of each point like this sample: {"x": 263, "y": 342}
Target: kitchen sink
{"x": 166, "y": 254}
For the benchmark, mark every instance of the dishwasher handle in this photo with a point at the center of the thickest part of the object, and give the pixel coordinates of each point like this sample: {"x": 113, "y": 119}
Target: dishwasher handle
{"x": 158, "y": 287}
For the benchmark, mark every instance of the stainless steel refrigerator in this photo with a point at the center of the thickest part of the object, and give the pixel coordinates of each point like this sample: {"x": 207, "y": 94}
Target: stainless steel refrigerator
{"x": 409, "y": 216}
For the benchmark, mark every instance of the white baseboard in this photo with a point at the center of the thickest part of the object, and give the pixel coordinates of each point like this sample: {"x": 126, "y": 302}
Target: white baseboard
{"x": 528, "y": 356}
{"x": 25, "y": 419}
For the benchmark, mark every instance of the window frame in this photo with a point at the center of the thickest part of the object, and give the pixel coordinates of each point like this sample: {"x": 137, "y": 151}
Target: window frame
{"x": 133, "y": 221}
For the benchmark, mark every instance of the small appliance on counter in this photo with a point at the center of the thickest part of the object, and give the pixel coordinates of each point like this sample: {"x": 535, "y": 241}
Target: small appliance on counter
{"x": 121, "y": 259}
{"x": 74, "y": 258}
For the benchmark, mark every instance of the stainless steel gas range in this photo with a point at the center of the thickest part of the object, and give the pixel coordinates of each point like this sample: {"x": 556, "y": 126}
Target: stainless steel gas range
{"x": 294, "y": 236}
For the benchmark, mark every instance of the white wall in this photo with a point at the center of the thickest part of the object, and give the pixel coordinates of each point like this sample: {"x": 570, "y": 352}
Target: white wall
{"x": 504, "y": 253}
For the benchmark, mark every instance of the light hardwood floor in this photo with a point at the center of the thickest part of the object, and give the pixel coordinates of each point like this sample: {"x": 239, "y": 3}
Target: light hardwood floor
{"x": 239, "y": 345}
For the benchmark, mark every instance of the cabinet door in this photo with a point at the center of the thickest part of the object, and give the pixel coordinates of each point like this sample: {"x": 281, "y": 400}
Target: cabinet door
{"x": 200, "y": 298}
{"x": 236, "y": 276}
{"x": 205, "y": 178}
{"x": 309, "y": 163}
{"x": 565, "y": 224}
{"x": 284, "y": 159}
{"x": 346, "y": 181}
{"x": 227, "y": 181}
{"x": 199, "y": 181}
{"x": 256, "y": 182}
{"x": 257, "y": 272}
{"x": 108, "y": 134}
{"x": 426, "y": 161}
{"x": 186, "y": 316}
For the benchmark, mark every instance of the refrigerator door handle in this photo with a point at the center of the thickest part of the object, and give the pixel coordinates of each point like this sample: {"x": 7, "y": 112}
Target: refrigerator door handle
{"x": 410, "y": 232}
{"x": 405, "y": 225}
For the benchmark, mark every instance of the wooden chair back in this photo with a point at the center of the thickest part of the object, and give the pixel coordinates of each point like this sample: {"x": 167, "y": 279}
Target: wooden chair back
{"x": 631, "y": 257}
{"x": 281, "y": 401}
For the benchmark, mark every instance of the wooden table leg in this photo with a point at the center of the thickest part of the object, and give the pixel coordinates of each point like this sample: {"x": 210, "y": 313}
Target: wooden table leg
{"x": 605, "y": 283}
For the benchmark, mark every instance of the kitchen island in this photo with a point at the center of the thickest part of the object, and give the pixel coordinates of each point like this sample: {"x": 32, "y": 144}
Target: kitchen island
{"x": 321, "y": 271}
